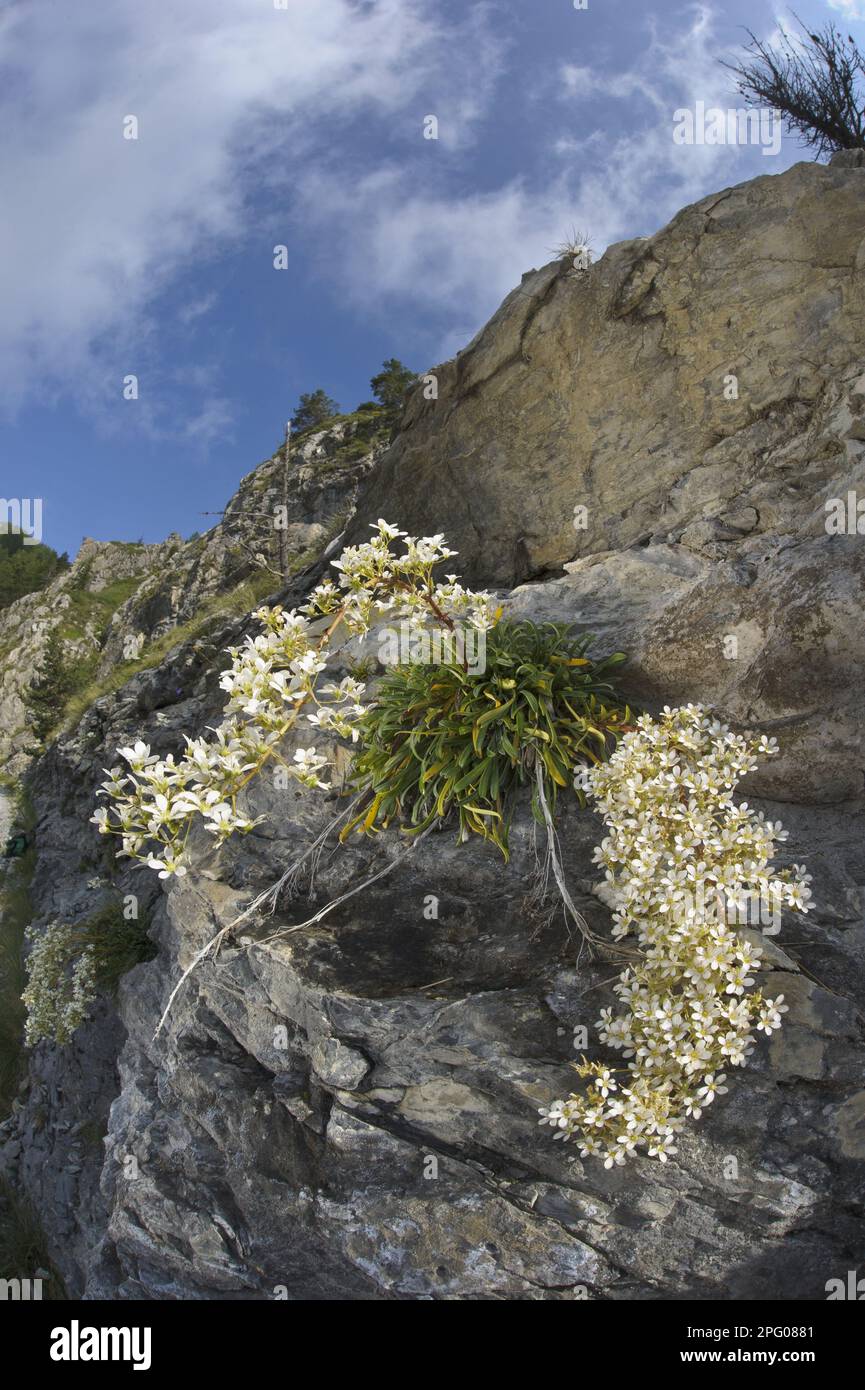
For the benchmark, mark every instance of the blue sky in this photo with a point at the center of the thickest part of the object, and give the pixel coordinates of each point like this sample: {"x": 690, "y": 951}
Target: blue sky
{"x": 303, "y": 126}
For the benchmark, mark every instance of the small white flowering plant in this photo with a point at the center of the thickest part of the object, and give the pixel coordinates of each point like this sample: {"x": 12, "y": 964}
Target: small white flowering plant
{"x": 61, "y": 983}
{"x": 70, "y": 965}
{"x": 681, "y": 859}
{"x": 273, "y": 686}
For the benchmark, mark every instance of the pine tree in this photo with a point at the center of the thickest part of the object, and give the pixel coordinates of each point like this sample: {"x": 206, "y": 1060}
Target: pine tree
{"x": 26, "y": 568}
{"x": 391, "y": 386}
{"x": 314, "y": 408}
{"x": 49, "y": 689}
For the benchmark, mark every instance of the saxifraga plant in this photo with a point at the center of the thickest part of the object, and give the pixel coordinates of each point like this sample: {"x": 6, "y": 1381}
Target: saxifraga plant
{"x": 558, "y": 712}
{"x": 682, "y": 860}
{"x": 69, "y": 965}
{"x": 440, "y": 738}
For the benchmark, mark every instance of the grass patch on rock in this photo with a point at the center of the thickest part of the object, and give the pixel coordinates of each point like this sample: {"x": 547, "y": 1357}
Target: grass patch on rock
{"x": 238, "y": 601}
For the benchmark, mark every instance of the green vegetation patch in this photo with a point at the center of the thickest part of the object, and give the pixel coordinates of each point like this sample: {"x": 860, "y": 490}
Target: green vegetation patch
{"x": 24, "y": 569}
{"x": 93, "y": 611}
{"x": 71, "y": 964}
{"x": 234, "y": 603}
{"x": 441, "y": 738}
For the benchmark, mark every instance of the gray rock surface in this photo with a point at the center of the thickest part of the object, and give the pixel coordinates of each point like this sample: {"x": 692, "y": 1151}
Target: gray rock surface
{"x": 349, "y": 1111}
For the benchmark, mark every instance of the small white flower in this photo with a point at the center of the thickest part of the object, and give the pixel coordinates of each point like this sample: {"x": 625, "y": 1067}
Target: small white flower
{"x": 712, "y": 1087}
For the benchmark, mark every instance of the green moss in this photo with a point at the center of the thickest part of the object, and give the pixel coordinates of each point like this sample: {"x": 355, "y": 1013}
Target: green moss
{"x": 87, "y": 616}
{"x": 118, "y": 944}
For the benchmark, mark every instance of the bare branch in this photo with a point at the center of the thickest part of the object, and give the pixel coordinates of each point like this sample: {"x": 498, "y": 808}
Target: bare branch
{"x": 815, "y": 81}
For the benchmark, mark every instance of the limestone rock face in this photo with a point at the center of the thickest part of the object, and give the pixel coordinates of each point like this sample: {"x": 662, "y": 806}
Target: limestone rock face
{"x": 349, "y": 1111}
{"x": 611, "y": 389}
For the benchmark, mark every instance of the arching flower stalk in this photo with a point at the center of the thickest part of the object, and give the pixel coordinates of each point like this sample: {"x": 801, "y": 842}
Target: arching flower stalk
{"x": 273, "y": 685}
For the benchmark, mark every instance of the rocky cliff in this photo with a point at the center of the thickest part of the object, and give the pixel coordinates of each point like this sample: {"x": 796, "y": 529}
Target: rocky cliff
{"x": 118, "y": 606}
{"x": 646, "y": 449}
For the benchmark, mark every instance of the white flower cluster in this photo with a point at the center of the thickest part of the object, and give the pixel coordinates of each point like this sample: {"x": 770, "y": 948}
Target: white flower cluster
{"x": 680, "y": 859}
{"x": 270, "y": 683}
{"x": 61, "y": 983}
{"x": 373, "y": 582}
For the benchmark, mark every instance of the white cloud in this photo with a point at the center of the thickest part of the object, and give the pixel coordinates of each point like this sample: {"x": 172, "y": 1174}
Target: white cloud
{"x": 233, "y": 96}
{"x": 579, "y": 81}
{"x": 850, "y": 9}
{"x": 196, "y": 308}
{"x": 96, "y": 225}
{"x": 440, "y": 250}
{"x": 212, "y": 421}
